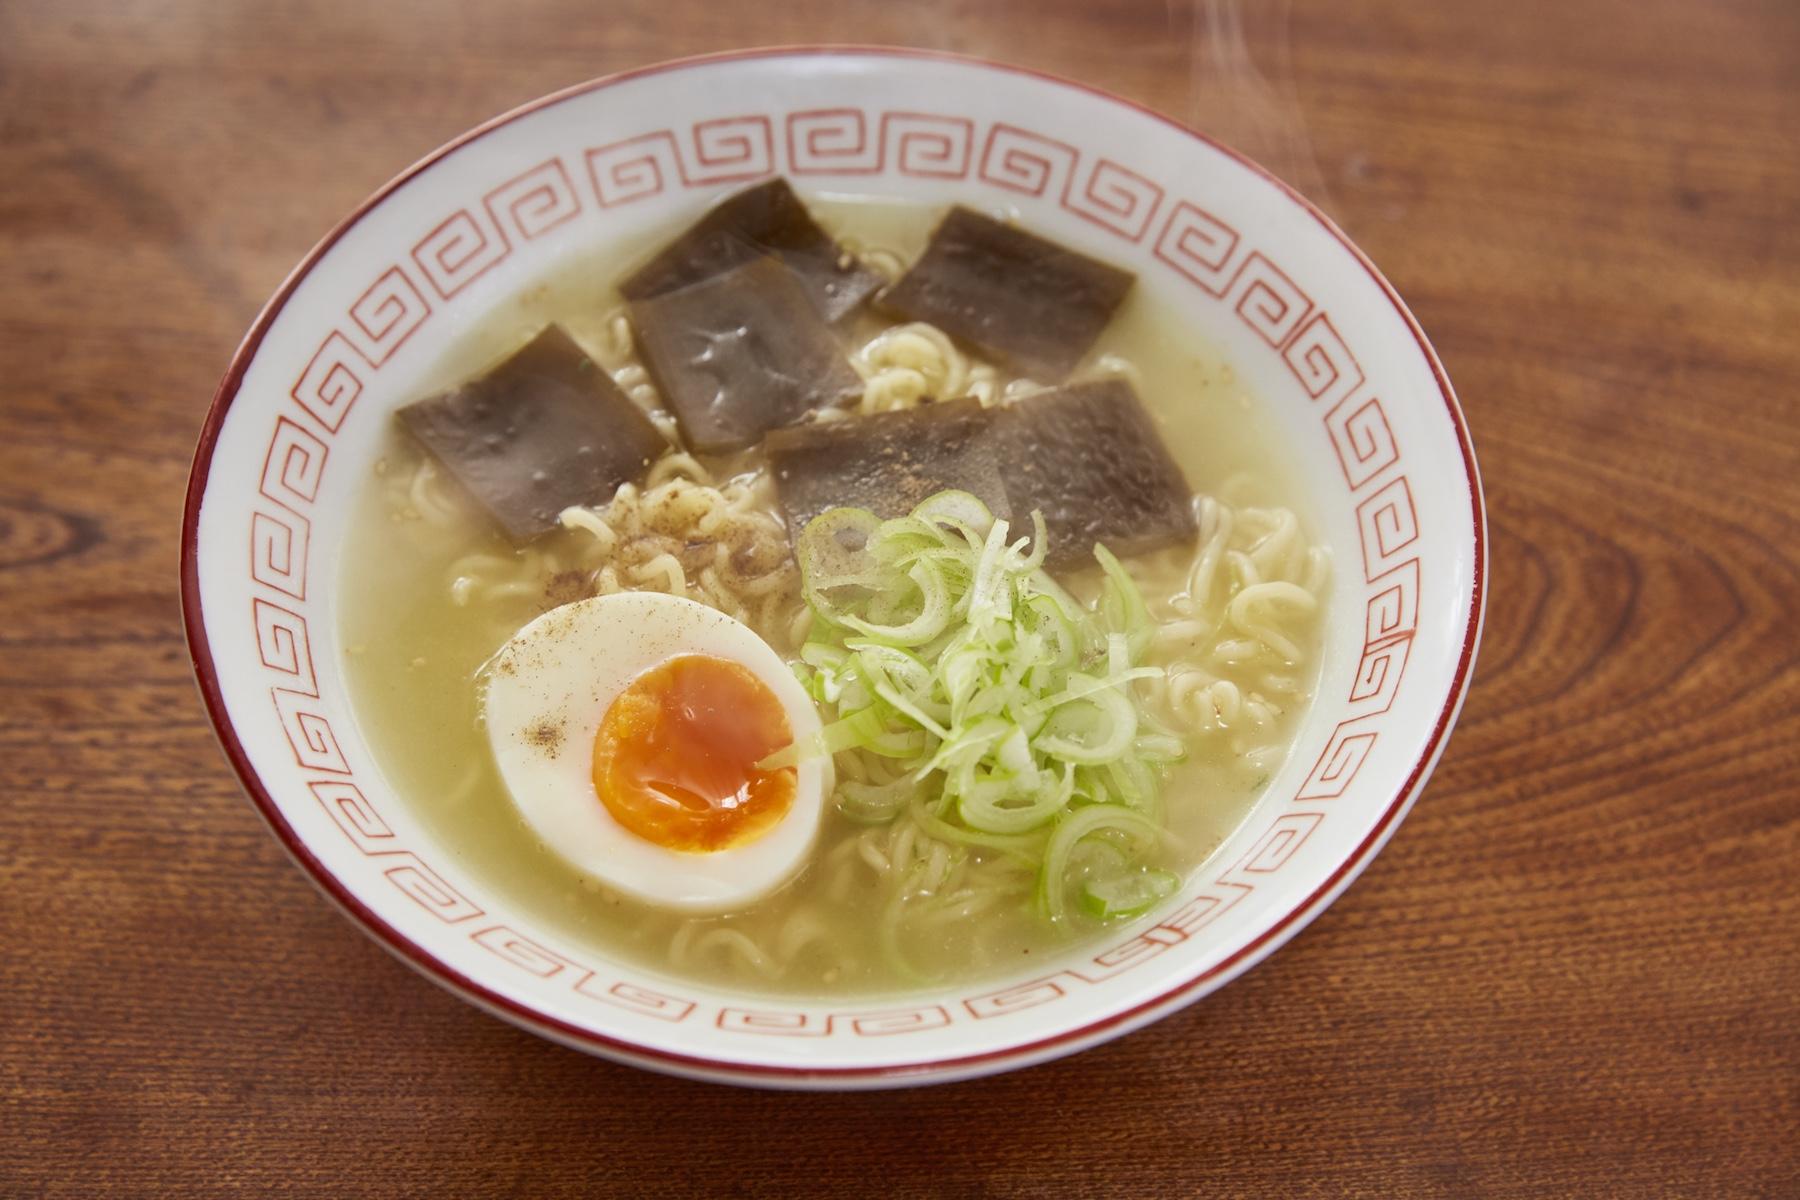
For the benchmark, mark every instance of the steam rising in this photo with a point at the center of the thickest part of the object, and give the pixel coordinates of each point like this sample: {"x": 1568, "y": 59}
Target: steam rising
{"x": 1241, "y": 85}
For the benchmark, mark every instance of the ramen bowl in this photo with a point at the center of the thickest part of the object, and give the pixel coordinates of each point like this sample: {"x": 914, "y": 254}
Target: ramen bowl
{"x": 1358, "y": 399}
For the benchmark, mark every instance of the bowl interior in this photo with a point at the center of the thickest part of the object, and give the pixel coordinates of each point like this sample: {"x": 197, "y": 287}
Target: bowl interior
{"x": 1357, "y": 397}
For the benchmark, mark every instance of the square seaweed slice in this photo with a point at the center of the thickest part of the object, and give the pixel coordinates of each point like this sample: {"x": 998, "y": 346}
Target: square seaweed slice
{"x": 739, "y": 354}
{"x": 545, "y": 429}
{"x": 1020, "y": 298}
{"x": 1090, "y": 458}
{"x": 887, "y": 462}
{"x": 767, "y": 219}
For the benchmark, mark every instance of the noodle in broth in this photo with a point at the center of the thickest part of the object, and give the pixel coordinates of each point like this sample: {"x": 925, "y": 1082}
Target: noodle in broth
{"x": 432, "y": 591}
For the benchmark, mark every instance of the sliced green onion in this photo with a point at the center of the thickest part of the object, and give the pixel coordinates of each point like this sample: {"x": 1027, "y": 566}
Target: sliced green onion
{"x": 1007, "y": 809}
{"x": 1027, "y": 847}
{"x": 833, "y": 546}
{"x": 935, "y": 603}
{"x": 875, "y": 803}
{"x": 1082, "y": 823}
{"x": 1123, "y": 605}
{"x": 1003, "y": 713}
{"x": 1118, "y": 897}
{"x": 1094, "y": 729}
{"x": 1040, "y": 543}
{"x": 960, "y": 510}
{"x": 924, "y": 719}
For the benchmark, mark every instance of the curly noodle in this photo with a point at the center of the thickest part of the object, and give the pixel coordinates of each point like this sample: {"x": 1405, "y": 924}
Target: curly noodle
{"x": 1238, "y": 612}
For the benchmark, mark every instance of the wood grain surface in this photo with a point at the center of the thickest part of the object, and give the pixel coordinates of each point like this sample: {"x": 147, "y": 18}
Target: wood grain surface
{"x": 1574, "y": 972}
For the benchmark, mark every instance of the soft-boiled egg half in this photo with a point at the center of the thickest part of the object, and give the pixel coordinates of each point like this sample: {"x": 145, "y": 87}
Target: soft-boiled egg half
{"x": 628, "y": 729}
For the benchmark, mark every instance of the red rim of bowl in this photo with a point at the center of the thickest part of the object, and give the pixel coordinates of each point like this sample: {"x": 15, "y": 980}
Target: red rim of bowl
{"x": 1022, "y": 1054}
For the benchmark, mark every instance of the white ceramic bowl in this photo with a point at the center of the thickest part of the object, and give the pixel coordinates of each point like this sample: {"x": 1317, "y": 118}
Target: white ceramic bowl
{"x": 1301, "y": 313}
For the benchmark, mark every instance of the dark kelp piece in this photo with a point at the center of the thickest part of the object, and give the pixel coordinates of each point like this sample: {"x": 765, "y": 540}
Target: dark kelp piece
{"x": 739, "y": 354}
{"x": 886, "y": 462}
{"x": 1089, "y": 457}
{"x": 767, "y": 219}
{"x": 544, "y": 430}
{"x": 1029, "y": 302}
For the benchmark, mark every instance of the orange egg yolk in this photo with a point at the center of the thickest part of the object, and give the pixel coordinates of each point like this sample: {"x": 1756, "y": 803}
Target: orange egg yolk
{"x": 675, "y": 758}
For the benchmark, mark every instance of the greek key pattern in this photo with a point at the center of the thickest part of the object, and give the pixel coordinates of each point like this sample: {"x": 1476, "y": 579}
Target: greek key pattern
{"x": 1178, "y": 235}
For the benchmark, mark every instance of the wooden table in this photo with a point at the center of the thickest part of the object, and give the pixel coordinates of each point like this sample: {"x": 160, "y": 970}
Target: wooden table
{"x": 1574, "y": 972}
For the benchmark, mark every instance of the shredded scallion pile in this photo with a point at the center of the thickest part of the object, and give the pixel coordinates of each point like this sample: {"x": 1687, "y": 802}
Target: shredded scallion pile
{"x": 985, "y": 700}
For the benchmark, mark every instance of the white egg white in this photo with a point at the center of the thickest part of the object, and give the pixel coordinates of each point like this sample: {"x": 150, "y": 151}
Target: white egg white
{"x": 548, "y": 689}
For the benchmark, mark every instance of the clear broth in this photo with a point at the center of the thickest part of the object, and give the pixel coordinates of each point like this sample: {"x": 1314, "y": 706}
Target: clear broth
{"x": 412, "y": 658}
